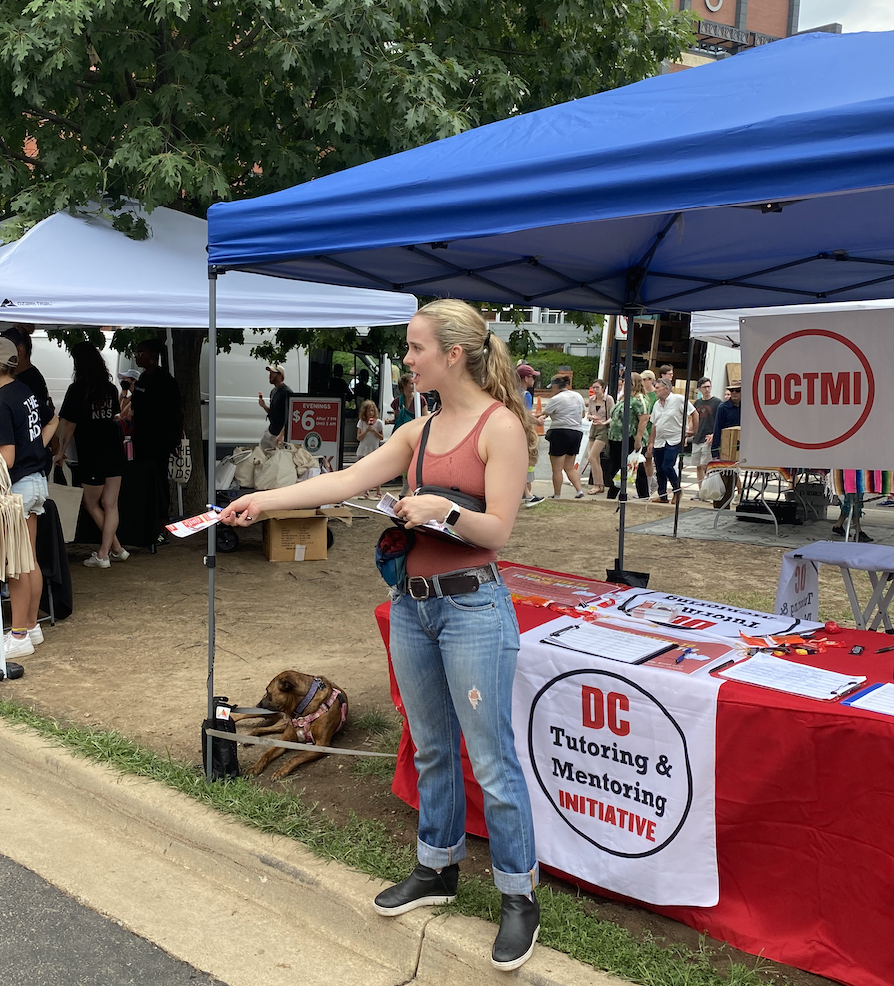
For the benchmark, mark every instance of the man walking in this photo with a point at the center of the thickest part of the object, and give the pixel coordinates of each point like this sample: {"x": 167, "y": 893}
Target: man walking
{"x": 664, "y": 439}
{"x": 706, "y": 408}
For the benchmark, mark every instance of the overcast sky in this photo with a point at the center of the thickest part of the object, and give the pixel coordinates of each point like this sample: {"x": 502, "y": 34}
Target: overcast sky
{"x": 853, "y": 15}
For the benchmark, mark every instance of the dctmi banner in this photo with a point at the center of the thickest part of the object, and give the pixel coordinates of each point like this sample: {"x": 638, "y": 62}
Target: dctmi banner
{"x": 817, "y": 390}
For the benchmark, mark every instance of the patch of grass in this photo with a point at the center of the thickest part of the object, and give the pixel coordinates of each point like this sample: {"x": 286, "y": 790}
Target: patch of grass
{"x": 366, "y": 846}
{"x": 377, "y": 722}
{"x": 386, "y": 731}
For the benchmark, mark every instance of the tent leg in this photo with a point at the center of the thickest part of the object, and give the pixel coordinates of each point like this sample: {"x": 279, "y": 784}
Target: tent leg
{"x": 677, "y": 499}
{"x": 628, "y": 384}
{"x": 211, "y": 557}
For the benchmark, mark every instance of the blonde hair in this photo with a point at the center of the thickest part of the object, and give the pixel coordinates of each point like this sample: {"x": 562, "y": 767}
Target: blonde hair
{"x": 647, "y": 375}
{"x": 488, "y": 362}
{"x": 365, "y": 408}
{"x": 636, "y": 385}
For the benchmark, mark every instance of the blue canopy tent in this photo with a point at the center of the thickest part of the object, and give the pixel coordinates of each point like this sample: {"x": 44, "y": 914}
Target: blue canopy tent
{"x": 763, "y": 179}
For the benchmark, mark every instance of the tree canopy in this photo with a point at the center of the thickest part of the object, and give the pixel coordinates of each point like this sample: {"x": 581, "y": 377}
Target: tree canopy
{"x": 183, "y": 103}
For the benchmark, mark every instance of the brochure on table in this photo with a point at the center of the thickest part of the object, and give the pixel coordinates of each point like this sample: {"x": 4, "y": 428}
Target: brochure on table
{"x": 619, "y": 761}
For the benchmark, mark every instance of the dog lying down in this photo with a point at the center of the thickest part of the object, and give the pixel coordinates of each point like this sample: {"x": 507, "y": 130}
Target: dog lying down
{"x": 310, "y": 709}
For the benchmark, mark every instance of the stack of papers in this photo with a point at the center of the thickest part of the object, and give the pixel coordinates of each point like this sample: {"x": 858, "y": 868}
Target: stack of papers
{"x": 796, "y": 679}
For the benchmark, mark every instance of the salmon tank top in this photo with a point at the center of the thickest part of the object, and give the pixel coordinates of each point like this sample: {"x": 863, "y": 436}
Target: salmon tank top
{"x": 462, "y": 468}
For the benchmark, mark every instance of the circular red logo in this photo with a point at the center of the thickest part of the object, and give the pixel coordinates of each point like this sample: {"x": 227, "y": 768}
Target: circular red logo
{"x": 824, "y": 393}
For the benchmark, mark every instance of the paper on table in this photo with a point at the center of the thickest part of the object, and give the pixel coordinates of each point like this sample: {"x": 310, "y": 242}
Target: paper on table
{"x": 797, "y": 679}
{"x": 880, "y": 698}
{"x": 587, "y": 638}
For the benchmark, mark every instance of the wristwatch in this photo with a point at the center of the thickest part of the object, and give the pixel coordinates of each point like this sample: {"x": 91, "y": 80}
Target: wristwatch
{"x": 452, "y": 515}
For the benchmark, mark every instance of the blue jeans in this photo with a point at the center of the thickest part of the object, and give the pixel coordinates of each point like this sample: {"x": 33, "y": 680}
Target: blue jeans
{"x": 33, "y": 491}
{"x": 454, "y": 660}
{"x": 665, "y": 466}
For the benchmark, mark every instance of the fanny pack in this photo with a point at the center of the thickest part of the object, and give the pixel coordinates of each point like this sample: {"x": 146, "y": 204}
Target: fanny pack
{"x": 391, "y": 554}
{"x": 463, "y": 500}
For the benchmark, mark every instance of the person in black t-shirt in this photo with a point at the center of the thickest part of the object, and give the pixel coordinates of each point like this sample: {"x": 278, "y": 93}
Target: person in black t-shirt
{"x": 28, "y": 374}
{"x": 277, "y": 409}
{"x": 706, "y": 407}
{"x": 26, "y": 428}
{"x": 88, "y": 411}
{"x": 157, "y": 419}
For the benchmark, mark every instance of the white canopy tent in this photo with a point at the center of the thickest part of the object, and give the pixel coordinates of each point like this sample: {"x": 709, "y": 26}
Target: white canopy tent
{"x": 722, "y": 327}
{"x": 79, "y": 270}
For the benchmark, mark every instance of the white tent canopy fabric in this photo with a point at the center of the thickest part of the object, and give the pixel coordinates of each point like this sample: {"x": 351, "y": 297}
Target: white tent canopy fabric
{"x": 79, "y": 270}
{"x": 722, "y": 326}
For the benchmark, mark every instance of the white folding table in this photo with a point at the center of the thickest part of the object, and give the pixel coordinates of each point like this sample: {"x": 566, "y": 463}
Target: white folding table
{"x": 877, "y": 560}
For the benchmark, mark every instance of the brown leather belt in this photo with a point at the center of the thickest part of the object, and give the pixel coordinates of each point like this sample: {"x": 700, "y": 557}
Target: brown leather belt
{"x": 451, "y": 583}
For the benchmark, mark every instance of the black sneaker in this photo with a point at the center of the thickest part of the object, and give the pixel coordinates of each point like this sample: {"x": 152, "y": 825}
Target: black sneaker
{"x": 864, "y": 537}
{"x": 839, "y": 531}
{"x": 519, "y": 928}
{"x": 422, "y": 888}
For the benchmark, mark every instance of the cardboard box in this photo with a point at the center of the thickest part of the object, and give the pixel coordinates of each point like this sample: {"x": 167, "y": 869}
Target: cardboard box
{"x": 299, "y": 535}
{"x": 729, "y": 444}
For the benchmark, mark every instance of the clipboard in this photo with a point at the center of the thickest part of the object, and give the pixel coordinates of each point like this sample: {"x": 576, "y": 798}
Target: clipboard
{"x": 614, "y": 645}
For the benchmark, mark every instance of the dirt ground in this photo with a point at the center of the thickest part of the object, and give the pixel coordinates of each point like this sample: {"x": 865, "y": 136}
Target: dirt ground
{"x": 133, "y": 656}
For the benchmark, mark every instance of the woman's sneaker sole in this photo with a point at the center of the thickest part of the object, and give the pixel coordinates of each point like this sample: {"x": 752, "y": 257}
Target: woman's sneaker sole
{"x": 520, "y": 961}
{"x": 411, "y": 905}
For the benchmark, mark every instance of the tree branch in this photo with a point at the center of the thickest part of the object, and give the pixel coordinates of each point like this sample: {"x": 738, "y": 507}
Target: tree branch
{"x": 52, "y": 118}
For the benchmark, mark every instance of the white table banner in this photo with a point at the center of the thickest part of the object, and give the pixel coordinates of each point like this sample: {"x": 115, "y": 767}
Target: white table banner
{"x": 685, "y": 613}
{"x": 619, "y": 761}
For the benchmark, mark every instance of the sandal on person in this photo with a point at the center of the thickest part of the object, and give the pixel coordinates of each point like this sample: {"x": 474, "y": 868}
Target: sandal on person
{"x": 596, "y": 490}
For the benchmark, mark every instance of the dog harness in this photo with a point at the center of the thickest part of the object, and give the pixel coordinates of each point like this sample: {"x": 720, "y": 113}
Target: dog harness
{"x": 302, "y": 723}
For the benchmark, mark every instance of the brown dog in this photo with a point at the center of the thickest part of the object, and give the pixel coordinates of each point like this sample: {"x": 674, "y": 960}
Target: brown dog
{"x": 312, "y": 710}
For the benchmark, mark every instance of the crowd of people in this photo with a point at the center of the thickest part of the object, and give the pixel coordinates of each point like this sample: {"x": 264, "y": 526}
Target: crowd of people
{"x": 92, "y": 432}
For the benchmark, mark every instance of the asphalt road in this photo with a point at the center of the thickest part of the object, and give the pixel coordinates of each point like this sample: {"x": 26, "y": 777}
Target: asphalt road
{"x": 48, "y": 939}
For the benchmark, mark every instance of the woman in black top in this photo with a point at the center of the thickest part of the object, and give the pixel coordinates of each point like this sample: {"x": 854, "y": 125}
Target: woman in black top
{"x": 26, "y": 427}
{"x": 89, "y": 409}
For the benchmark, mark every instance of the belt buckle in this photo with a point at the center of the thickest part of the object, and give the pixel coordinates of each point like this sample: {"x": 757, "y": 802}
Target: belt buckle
{"x": 424, "y": 582}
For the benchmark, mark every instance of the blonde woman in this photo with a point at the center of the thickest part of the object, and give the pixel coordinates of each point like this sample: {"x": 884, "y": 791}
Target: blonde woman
{"x": 620, "y": 446}
{"x": 453, "y": 628}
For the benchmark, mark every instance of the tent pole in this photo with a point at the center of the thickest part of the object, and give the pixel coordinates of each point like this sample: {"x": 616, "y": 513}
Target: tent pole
{"x": 629, "y": 312}
{"x": 677, "y": 499}
{"x": 211, "y": 557}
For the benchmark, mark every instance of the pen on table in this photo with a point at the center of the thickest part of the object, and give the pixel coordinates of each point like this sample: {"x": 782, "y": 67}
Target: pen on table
{"x": 884, "y": 650}
{"x": 681, "y": 657}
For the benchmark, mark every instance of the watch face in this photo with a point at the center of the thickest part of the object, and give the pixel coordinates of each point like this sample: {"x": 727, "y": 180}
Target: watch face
{"x": 453, "y": 516}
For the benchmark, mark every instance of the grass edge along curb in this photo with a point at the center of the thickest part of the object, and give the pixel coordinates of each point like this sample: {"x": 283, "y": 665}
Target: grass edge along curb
{"x": 365, "y": 845}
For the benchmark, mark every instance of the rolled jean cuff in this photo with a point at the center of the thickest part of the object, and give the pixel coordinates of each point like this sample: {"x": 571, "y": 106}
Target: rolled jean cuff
{"x": 517, "y": 883}
{"x": 437, "y": 858}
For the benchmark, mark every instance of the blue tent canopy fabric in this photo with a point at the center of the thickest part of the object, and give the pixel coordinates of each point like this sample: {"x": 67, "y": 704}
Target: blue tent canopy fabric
{"x": 762, "y": 179}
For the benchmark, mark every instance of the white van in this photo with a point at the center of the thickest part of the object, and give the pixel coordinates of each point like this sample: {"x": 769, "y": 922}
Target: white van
{"x": 241, "y": 376}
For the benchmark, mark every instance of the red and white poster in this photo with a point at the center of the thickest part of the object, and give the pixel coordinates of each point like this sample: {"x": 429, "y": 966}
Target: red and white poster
{"x": 815, "y": 390}
{"x": 619, "y": 762}
{"x": 315, "y": 423}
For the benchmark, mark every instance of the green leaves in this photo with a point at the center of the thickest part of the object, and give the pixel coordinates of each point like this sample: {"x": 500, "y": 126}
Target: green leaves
{"x": 172, "y": 101}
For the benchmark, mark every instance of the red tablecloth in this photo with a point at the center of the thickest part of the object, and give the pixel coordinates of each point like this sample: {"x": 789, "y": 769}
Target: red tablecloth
{"x": 804, "y": 803}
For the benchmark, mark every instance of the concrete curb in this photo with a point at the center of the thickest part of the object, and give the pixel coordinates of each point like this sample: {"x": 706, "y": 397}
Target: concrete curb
{"x": 234, "y": 902}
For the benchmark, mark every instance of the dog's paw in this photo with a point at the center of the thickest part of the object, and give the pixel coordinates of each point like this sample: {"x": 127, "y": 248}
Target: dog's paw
{"x": 252, "y": 770}
{"x": 282, "y": 773}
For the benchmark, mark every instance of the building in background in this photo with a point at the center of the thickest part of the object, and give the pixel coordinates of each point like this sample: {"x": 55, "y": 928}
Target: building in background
{"x": 727, "y": 27}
